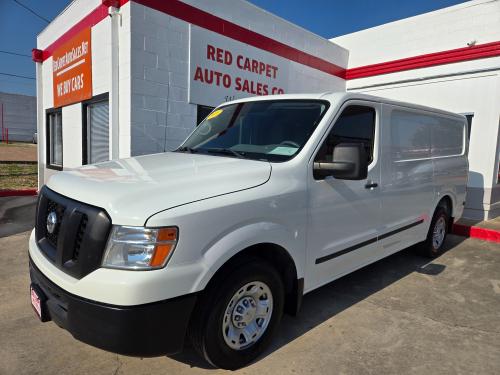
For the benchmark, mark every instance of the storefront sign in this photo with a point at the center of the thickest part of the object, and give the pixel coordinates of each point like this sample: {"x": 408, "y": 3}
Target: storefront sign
{"x": 222, "y": 69}
{"x": 72, "y": 70}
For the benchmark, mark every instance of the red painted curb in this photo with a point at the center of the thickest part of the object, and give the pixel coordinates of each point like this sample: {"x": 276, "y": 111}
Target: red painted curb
{"x": 484, "y": 234}
{"x": 18, "y": 193}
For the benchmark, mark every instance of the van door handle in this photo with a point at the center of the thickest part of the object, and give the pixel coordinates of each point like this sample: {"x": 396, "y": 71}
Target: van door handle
{"x": 371, "y": 185}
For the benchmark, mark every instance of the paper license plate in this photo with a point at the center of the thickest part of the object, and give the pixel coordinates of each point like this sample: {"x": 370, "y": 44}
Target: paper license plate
{"x": 36, "y": 302}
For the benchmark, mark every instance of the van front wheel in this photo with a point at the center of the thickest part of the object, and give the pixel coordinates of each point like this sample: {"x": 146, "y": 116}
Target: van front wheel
{"x": 438, "y": 230}
{"x": 235, "y": 318}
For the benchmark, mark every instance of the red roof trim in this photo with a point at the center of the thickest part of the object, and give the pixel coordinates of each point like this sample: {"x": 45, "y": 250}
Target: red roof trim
{"x": 91, "y": 19}
{"x": 198, "y": 17}
{"x": 479, "y": 51}
{"x": 37, "y": 55}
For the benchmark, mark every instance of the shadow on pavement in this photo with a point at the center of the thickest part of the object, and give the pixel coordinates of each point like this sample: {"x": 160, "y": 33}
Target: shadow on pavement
{"x": 331, "y": 299}
{"x": 17, "y": 215}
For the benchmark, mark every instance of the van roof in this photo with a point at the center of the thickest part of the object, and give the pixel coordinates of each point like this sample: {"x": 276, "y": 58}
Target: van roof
{"x": 340, "y": 97}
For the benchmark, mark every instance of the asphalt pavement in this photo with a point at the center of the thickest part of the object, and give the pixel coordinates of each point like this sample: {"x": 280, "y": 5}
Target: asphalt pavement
{"x": 17, "y": 214}
{"x": 401, "y": 315}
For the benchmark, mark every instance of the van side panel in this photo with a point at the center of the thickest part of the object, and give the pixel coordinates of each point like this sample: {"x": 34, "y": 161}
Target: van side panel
{"x": 451, "y": 179}
{"x": 407, "y": 179}
{"x": 449, "y": 148}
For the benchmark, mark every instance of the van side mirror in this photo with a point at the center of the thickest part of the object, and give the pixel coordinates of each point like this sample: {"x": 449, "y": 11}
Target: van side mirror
{"x": 349, "y": 162}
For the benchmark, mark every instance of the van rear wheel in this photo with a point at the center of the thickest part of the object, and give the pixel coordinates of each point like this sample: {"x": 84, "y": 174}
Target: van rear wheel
{"x": 236, "y": 317}
{"x": 438, "y": 230}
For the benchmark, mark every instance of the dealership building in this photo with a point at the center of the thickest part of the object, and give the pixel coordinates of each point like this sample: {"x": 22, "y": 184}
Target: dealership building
{"x": 120, "y": 78}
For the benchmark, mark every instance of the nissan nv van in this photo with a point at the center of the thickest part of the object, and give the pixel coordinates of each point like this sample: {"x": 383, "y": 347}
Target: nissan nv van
{"x": 268, "y": 199}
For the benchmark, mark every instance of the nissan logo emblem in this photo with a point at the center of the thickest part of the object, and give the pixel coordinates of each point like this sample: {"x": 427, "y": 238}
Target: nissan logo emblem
{"x": 51, "y": 222}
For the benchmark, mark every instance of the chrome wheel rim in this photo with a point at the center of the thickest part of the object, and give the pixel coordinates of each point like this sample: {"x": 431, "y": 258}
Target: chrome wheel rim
{"x": 247, "y": 315}
{"x": 439, "y": 233}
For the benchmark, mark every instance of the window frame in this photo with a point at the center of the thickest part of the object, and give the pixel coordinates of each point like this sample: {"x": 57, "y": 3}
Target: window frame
{"x": 430, "y": 113}
{"x": 199, "y": 110}
{"x": 351, "y": 103}
{"x": 469, "y": 123}
{"x": 48, "y": 145}
{"x": 85, "y": 125}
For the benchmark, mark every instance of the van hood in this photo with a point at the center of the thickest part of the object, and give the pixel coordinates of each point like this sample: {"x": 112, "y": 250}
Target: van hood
{"x": 133, "y": 189}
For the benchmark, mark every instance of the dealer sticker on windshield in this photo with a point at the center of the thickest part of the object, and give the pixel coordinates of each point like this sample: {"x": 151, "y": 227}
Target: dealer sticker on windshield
{"x": 282, "y": 150}
{"x": 214, "y": 114}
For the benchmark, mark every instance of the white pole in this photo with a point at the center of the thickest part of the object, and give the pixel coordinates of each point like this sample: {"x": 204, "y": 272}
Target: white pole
{"x": 114, "y": 89}
{"x": 40, "y": 131}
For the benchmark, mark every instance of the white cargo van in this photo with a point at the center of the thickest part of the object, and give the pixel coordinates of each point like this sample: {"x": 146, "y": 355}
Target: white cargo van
{"x": 268, "y": 199}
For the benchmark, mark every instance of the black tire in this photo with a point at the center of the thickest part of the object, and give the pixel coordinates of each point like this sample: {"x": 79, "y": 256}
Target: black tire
{"x": 429, "y": 248}
{"x": 205, "y": 331}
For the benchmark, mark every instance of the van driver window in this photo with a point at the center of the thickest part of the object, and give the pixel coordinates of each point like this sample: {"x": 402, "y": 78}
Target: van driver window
{"x": 356, "y": 124}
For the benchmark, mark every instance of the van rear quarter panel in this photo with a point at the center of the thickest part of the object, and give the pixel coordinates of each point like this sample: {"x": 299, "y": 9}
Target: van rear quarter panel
{"x": 450, "y": 176}
{"x": 450, "y": 160}
{"x": 407, "y": 183}
{"x": 417, "y": 171}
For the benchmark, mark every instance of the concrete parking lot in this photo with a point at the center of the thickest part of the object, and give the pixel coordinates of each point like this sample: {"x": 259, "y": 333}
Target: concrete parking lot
{"x": 17, "y": 214}
{"x": 402, "y": 315}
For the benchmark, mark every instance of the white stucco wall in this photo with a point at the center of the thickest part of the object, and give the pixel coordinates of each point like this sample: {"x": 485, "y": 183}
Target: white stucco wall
{"x": 444, "y": 29}
{"x": 464, "y": 87}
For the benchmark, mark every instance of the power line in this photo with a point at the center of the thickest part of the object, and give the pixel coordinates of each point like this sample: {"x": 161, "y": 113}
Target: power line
{"x": 25, "y": 84}
{"x": 14, "y": 53}
{"x": 16, "y": 75}
{"x": 31, "y": 10}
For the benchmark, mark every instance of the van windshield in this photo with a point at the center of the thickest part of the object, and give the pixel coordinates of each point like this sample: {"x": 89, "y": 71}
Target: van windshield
{"x": 272, "y": 130}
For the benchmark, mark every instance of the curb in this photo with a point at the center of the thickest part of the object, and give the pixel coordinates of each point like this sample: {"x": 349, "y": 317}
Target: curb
{"x": 18, "y": 193}
{"x": 25, "y": 162}
{"x": 484, "y": 234}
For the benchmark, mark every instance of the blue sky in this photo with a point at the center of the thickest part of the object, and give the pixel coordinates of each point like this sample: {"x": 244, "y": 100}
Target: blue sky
{"x": 328, "y": 18}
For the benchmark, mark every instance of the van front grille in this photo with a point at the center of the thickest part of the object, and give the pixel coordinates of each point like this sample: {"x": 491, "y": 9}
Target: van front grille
{"x": 59, "y": 210}
{"x": 79, "y": 236}
{"x": 77, "y": 241}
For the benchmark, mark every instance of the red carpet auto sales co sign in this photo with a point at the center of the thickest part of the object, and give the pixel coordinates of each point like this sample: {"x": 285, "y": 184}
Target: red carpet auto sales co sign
{"x": 222, "y": 69}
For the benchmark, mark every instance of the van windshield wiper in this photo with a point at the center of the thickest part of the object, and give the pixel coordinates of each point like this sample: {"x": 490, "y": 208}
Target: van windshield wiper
{"x": 225, "y": 151}
{"x": 187, "y": 149}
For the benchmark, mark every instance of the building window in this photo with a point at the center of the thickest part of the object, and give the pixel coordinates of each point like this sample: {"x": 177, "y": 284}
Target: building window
{"x": 469, "y": 117}
{"x": 96, "y": 130}
{"x": 54, "y": 139}
{"x": 202, "y": 112}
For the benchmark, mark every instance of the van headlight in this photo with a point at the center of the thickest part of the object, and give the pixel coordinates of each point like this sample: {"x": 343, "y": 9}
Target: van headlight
{"x": 139, "y": 248}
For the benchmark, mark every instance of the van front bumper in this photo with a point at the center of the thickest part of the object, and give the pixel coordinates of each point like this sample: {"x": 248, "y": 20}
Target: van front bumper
{"x": 146, "y": 330}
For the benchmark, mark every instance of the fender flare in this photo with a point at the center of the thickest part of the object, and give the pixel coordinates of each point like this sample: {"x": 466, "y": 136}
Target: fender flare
{"x": 234, "y": 242}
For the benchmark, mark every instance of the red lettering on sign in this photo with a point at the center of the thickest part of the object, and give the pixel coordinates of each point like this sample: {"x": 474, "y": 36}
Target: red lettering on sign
{"x": 209, "y": 76}
{"x": 251, "y": 87}
{"x": 210, "y": 52}
{"x": 198, "y": 75}
{"x": 257, "y": 67}
{"x": 219, "y": 55}
{"x": 220, "y": 79}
